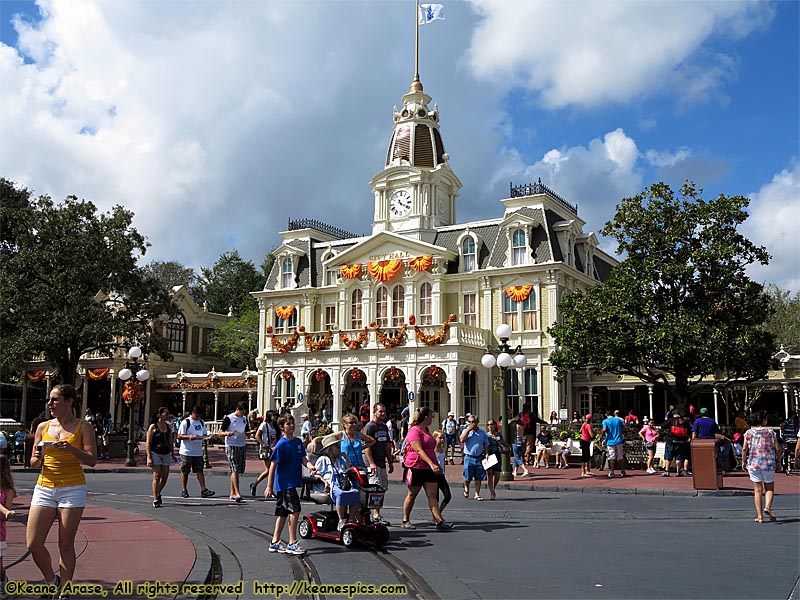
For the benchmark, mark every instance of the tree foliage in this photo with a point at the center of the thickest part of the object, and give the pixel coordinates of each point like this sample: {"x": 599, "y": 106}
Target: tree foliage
{"x": 172, "y": 273}
{"x": 237, "y": 340}
{"x": 785, "y": 321}
{"x": 679, "y": 307}
{"x": 228, "y": 284}
{"x": 70, "y": 284}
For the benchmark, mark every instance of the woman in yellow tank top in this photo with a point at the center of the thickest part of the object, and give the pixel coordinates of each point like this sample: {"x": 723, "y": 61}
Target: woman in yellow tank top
{"x": 61, "y": 446}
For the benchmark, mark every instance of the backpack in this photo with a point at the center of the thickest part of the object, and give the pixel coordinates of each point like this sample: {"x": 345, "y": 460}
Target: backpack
{"x": 679, "y": 429}
{"x": 525, "y": 419}
{"x": 450, "y": 427}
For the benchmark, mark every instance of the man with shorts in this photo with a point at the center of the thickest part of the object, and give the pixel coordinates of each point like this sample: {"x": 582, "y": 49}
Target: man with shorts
{"x": 285, "y": 476}
{"x": 677, "y": 447}
{"x": 450, "y": 429}
{"x": 612, "y": 431}
{"x": 233, "y": 429}
{"x": 305, "y": 430}
{"x": 379, "y": 454}
{"x": 191, "y": 434}
{"x": 476, "y": 447}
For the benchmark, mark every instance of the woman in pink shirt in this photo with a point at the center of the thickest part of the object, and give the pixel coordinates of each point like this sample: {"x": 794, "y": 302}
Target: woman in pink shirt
{"x": 421, "y": 468}
{"x": 587, "y": 435}
{"x": 649, "y": 434}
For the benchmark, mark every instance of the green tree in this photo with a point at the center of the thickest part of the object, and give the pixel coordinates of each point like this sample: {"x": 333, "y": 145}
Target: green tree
{"x": 69, "y": 282}
{"x": 237, "y": 340}
{"x": 266, "y": 266}
{"x": 229, "y": 283}
{"x": 679, "y": 307}
{"x": 785, "y": 321}
{"x": 172, "y": 273}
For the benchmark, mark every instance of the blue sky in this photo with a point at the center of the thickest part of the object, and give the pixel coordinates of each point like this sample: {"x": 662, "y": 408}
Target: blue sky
{"x": 217, "y": 122}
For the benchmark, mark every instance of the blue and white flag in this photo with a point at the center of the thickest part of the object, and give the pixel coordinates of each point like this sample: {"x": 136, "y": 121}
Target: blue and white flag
{"x": 430, "y": 12}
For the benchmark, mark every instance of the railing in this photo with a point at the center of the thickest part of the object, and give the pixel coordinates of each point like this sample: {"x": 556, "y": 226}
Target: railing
{"x": 532, "y": 189}
{"x": 321, "y": 227}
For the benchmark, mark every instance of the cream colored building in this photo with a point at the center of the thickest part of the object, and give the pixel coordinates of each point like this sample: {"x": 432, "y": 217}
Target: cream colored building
{"x": 404, "y": 315}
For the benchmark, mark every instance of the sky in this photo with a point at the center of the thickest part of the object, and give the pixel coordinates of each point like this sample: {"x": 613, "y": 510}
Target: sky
{"x": 218, "y": 122}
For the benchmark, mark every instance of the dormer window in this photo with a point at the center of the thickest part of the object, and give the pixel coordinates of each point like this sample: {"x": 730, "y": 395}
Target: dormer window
{"x": 287, "y": 273}
{"x": 518, "y": 247}
{"x": 468, "y": 257}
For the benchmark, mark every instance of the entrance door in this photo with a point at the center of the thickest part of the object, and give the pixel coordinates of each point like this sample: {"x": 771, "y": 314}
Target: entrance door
{"x": 391, "y": 399}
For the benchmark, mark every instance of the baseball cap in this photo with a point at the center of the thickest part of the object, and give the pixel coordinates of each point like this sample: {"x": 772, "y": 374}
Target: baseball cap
{"x": 451, "y": 414}
{"x": 304, "y": 416}
{"x": 703, "y": 411}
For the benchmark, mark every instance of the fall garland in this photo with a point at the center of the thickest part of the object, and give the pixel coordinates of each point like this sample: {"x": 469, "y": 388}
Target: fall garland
{"x": 434, "y": 372}
{"x": 355, "y": 342}
{"x": 320, "y": 375}
{"x": 357, "y": 374}
{"x": 322, "y": 344}
{"x": 132, "y": 392}
{"x": 394, "y": 373}
{"x": 34, "y": 376}
{"x": 284, "y": 347}
{"x": 390, "y": 342}
{"x": 430, "y": 340}
{"x": 286, "y": 374}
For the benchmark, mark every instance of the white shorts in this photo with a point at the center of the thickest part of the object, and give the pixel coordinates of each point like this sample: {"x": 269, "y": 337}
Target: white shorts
{"x": 615, "y": 452}
{"x": 761, "y": 475}
{"x": 73, "y": 496}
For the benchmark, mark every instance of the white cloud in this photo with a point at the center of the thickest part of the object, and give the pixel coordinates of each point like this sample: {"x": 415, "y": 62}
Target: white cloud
{"x": 774, "y": 215}
{"x": 666, "y": 158}
{"x": 589, "y": 53}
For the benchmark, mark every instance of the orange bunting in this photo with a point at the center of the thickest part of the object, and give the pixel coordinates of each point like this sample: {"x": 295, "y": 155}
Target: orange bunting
{"x": 384, "y": 270}
{"x": 34, "y": 376}
{"x": 350, "y": 271}
{"x": 420, "y": 263}
{"x": 284, "y": 312}
{"x": 519, "y": 293}
{"x": 97, "y": 374}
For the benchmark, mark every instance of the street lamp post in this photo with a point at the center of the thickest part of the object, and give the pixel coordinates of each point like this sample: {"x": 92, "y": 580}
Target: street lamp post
{"x": 132, "y": 394}
{"x": 505, "y": 359}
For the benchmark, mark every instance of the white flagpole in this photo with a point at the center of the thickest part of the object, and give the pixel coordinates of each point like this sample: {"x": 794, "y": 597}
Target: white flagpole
{"x": 416, "y": 85}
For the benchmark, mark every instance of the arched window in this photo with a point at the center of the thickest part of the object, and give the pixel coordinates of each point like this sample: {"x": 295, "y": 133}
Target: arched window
{"x": 510, "y": 315}
{"x": 285, "y": 325}
{"x": 426, "y": 304}
{"x": 468, "y": 254}
{"x": 287, "y": 274}
{"x": 284, "y": 390}
{"x": 518, "y": 247}
{"x": 398, "y": 305}
{"x": 382, "y": 307}
{"x": 176, "y": 333}
{"x": 356, "y": 322}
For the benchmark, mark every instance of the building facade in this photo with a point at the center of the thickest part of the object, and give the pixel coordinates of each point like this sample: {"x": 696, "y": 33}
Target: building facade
{"x": 404, "y": 315}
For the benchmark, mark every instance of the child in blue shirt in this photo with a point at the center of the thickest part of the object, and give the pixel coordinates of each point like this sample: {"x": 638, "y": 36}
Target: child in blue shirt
{"x": 286, "y": 475}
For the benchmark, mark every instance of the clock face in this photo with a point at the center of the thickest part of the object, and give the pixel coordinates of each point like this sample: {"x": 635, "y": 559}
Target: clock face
{"x": 400, "y": 203}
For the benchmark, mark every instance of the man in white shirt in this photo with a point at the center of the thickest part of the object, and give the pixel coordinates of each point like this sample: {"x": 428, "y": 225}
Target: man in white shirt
{"x": 191, "y": 434}
{"x": 305, "y": 431}
{"x": 233, "y": 429}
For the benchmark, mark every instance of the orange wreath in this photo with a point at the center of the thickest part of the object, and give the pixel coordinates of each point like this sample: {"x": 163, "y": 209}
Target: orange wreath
{"x": 284, "y": 312}
{"x": 34, "y": 376}
{"x": 384, "y": 270}
{"x": 519, "y": 293}
{"x": 350, "y": 271}
{"x": 420, "y": 263}
{"x": 97, "y": 374}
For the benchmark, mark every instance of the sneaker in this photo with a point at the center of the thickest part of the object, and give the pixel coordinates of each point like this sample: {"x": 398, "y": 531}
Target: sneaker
{"x": 253, "y": 489}
{"x": 623, "y": 474}
{"x": 611, "y": 475}
{"x": 184, "y": 494}
{"x": 650, "y": 471}
{"x": 443, "y": 526}
{"x": 156, "y": 504}
{"x": 277, "y": 547}
{"x": 408, "y": 525}
{"x": 340, "y": 526}
{"x": 159, "y": 498}
{"x": 295, "y": 548}
{"x": 382, "y": 521}
{"x": 681, "y": 473}
{"x": 206, "y": 493}
{"x": 665, "y": 474}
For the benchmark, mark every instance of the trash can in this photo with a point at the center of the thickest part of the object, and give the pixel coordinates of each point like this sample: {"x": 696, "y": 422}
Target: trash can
{"x": 705, "y": 475}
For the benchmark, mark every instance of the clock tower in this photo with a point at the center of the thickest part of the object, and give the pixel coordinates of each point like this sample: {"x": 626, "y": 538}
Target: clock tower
{"x": 416, "y": 191}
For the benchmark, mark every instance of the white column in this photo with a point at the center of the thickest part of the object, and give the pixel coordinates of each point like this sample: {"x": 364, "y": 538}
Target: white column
{"x": 454, "y": 385}
{"x": 216, "y": 404}
{"x": 786, "y": 399}
{"x": 650, "y": 401}
{"x": 716, "y": 399}
{"x": 183, "y": 403}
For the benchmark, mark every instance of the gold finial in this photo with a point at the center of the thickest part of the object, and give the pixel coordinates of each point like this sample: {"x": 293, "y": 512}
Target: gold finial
{"x": 416, "y": 85}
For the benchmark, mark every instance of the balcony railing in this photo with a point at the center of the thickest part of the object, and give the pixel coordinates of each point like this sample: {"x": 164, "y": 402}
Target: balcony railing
{"x": 531, "y": 189}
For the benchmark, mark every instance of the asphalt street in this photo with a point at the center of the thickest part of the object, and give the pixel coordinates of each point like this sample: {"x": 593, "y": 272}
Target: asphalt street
{"x": 524, "y": 545}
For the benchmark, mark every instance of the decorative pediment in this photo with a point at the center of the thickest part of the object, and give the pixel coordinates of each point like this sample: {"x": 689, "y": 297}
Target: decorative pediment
{"x": 287, "y": 250}
{"x": 520, "y": 219}
{"x": 386, "y": 246}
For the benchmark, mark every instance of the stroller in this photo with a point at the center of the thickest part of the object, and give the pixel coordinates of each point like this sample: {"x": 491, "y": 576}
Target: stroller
{"x": 323, "y": 524}
{"x": 788, "y": 458}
